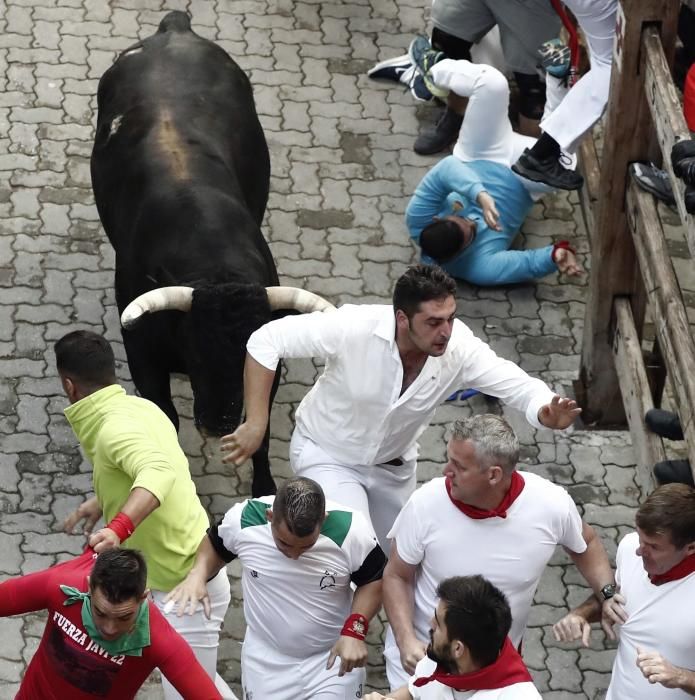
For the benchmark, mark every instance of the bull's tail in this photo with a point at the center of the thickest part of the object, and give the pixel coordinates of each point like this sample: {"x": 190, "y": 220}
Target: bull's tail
{"x": 175, "y": 21}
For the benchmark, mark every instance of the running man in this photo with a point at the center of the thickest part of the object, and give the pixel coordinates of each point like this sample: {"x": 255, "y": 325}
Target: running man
{"x": 301, "y": 558}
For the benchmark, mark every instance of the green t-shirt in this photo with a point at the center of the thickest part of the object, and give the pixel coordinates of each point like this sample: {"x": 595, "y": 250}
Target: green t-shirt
{"x": 131, "y": 443}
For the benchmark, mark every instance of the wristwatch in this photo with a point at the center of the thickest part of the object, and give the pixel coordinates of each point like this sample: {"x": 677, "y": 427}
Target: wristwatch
{"x": 608, "y": 591}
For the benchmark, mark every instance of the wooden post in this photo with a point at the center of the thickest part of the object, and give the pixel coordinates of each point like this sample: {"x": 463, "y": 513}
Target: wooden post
{"x": 628, "y": 136}
{"x": 670, "y": 315}
{"x": 634, "y": 386}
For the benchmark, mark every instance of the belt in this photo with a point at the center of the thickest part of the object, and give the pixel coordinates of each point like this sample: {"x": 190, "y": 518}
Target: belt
{"x": 397, "y": 462}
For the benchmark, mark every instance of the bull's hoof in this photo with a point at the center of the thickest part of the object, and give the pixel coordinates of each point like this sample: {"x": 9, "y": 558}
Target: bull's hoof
{"x": 263, "y": 487}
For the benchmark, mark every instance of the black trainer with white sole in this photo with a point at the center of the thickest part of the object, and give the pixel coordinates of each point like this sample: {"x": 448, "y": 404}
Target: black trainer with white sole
{"x": 549, "y": 171}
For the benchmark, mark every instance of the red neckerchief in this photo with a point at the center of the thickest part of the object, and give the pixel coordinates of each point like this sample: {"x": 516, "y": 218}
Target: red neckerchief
{"x": 508, "y": 669}
{"x": 517, "y": 486}
{"x": 680, "y": 570}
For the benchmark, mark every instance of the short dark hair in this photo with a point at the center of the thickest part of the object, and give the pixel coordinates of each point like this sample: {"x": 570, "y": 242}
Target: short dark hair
{"x": 477, "y": 614}
{"x": 421, "y": 283}
{"x": 441, "y": 240}
{"x": 670, "y": 510}
{"x": 121, "y": 574}
{"x": 87, "y": 357}
{"x": 301, "y": 504}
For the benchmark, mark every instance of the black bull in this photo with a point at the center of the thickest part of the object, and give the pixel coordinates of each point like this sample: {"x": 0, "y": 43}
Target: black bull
{"x": 180, "y": 171}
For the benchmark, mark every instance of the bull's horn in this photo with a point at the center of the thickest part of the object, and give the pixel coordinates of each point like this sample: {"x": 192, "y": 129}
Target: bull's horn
{"x": 299, "y": 299}
{"x": 162, "y": 299}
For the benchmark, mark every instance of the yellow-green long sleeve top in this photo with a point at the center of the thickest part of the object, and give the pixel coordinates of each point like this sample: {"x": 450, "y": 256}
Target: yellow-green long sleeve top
{"x": 131, "y": 443}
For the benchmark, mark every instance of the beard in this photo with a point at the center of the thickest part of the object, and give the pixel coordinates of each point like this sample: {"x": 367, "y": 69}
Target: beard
{"x": 441, "y": 657}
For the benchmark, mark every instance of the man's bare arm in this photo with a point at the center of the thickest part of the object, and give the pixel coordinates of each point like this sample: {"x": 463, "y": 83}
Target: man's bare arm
{"x": 194, "y": 587}
{"x": 247, "y": 438}
{"x": 593, "y": 562}
{"x": 399, "y": 603}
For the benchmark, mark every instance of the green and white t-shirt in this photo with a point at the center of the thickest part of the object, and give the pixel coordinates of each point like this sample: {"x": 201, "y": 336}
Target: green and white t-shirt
{"x": 298, "y": 606}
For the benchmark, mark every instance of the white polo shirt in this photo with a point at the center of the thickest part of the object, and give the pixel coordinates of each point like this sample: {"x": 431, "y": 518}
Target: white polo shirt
{"x": 434, "y": 535}
{"x": 354, "y": 411}
{"x": 298, "y": 606}
{"x": 659, "y": 618}
{"x": 438, "y": 691}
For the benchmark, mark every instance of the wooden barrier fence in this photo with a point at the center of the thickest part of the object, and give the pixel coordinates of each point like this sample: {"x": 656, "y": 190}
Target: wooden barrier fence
{"x": 631, "y": 267}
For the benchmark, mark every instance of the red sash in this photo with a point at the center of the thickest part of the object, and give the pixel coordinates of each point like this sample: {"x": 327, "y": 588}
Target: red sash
{"x": 508, "y": 669}
{"x": 517, "y": 486}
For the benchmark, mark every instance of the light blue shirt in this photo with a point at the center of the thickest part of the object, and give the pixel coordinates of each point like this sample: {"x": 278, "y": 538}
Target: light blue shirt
{"x": 488, "y": 260}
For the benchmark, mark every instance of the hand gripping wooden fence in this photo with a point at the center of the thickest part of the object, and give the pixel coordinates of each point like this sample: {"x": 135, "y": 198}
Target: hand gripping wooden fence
{"x": 630, "y": 263}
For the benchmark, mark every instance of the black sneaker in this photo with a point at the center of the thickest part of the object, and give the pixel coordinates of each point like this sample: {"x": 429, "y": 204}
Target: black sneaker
{"x": 673, "y": 471}
{"x": 418, "y": 89}
{"x": 666, "y": 424}
{"x": 654, "y": 180}
{"x": 390, "y": 69}
{"x": 683, "y": 160}
{"x": 689, "y": 199}
{"x": 548, "y": 171}
{"x": 441, "y": 136}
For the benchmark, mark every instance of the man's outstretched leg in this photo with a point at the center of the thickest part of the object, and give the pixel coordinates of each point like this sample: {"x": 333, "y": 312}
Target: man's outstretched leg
{"x": 485, "y": 133}
{"x": 582, "y": 107}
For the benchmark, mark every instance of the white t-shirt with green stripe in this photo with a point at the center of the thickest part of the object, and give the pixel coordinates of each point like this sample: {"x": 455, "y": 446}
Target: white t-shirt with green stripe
{"x": 298, "y": 606}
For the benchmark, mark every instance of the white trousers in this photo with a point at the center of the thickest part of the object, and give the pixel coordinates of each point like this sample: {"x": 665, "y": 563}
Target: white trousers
{"x": 585, "y": 102}
{"x": 202, "y": 634}
{"x": 486, "y": 132}
{"x": 378, "y": 491}
{"x": 268, "y": 674}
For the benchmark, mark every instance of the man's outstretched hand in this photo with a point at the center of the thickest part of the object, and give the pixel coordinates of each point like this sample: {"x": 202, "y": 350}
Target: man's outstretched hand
{"x": 559, "y": 413}
{"x": 242, "y": 443}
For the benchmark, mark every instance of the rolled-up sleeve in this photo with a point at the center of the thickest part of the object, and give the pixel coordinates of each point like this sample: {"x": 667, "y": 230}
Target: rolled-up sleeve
{"x": 318, "y": 334}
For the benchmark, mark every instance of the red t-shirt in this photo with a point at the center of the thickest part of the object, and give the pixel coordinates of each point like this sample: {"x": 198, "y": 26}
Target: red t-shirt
{"x": 68, "y": 664}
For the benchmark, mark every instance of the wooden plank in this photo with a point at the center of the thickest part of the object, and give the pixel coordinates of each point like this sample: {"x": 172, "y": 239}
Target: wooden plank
{"x": 589, "y": 165}
{"x": 667, "y": 115}
{"x": 670, "y": 315}
{"x": 637, "y": 398}
{"x": 627, "y": 136}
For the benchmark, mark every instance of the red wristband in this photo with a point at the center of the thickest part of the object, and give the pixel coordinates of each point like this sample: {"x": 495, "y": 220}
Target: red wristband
{"x": 122, "y": 525}
{"x": 355, "y": 626}
{"x": 561, "y": 244}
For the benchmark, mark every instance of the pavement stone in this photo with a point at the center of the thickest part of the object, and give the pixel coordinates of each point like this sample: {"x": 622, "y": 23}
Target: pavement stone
{"x": 343, "y": 170}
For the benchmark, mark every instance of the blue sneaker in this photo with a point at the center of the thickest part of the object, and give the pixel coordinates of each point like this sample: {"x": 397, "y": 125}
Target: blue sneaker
{"x": 390, "y": 69}
{"x": 555, "y": 58}
{"x": 423, "y": 57}
{"x": 418, "y": 89}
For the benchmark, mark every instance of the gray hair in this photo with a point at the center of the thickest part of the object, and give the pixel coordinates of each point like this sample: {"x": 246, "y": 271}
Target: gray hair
{"x": 493, "y": 439}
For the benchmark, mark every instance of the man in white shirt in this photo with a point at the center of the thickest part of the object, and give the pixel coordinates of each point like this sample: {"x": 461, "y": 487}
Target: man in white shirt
{"x": 387, "y": 369}
{"x": 469, "y": 655}
{"x": 301, "y": 559}
{"x": 653, "y": 605}
{"x": 484, "y": 517}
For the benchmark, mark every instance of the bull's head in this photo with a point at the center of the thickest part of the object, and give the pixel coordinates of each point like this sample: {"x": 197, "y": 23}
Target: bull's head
{"x": 219, "y": 320}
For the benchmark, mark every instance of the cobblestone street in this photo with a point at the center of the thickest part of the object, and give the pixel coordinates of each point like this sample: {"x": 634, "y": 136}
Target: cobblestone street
{"x": 343, "y": 170}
